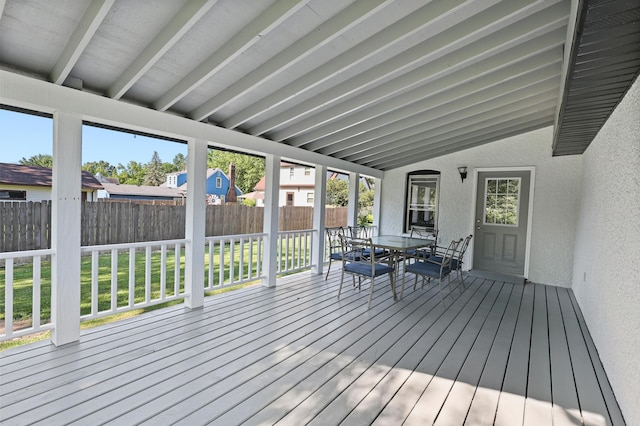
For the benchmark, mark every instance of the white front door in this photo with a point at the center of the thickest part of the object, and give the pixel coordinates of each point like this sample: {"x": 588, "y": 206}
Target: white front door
{"x": 501, "y": 221}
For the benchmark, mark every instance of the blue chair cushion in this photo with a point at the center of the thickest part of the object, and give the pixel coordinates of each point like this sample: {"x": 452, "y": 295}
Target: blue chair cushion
{"x": 336, "y": 256}
{"x": 365, "y": 269}
{"x": 454, "y": 262}
{"x": 427, "y": 268}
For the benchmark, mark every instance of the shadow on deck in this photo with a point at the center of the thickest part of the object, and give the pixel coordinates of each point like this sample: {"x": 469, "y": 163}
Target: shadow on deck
{"x": 498, "y": 353}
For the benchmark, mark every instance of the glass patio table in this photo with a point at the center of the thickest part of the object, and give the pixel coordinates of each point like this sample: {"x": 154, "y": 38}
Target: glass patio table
{"x": 398, "y": 247}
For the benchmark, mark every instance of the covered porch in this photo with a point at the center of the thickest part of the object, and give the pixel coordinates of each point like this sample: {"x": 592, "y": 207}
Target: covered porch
{"x": 495, "y": 353}
{"x": 379, "y": 88}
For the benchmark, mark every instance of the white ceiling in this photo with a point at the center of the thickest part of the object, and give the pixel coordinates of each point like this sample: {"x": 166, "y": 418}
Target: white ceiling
{"x": 378, "y": 83}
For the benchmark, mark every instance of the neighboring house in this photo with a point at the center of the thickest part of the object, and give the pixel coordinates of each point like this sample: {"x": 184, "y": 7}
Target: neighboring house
{"x": 139, "y": 192}
{"x": 297, "y": 184}
{"x": 217, "y": 184}
{"x": 19, "y": 182}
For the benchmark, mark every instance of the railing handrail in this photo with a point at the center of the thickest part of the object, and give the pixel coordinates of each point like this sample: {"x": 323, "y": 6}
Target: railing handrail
{"x": 119, "y": 246}
{"x": 234, "y": 236}
{"x": 26, "y": 253}
{"x": 297, "y": 231}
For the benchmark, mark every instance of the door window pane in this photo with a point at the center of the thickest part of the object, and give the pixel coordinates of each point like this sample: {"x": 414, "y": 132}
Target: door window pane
{"x": 502, "y": 201}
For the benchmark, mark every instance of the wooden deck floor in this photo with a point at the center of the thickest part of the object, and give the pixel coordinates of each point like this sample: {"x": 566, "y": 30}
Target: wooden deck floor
{"x": 497, "y": 354}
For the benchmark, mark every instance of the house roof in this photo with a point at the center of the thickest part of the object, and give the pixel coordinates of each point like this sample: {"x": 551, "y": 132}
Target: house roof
{"x": 19, "y": 174}
{"x": 379, "y": 84}
{"x": 142, "y": 190}
{"x": 261, "y": 185}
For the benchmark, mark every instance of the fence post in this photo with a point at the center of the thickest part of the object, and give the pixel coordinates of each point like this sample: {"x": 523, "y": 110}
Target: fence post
{"x": 195, "y": 223}
{"x": 319, "y": 211}
{"x": 270, "y": 224}
{"x": 65, "y": 231}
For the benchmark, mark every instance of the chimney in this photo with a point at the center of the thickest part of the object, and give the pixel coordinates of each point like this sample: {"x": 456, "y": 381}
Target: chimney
{"x": 232, "y": 197}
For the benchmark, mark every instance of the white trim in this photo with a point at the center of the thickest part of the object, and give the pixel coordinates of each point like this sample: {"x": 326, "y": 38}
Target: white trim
{"x": 38, "y": 95}
{"x": 474, "y": 200}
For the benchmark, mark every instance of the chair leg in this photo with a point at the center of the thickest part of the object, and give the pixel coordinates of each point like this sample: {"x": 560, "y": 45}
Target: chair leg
{"x": 328, "y": 269}
{"x": 371, "y": 292}
{"x": 340, "y": 288}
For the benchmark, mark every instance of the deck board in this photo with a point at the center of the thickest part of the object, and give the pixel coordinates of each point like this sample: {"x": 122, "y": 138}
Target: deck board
{"x": 496, "y": 353}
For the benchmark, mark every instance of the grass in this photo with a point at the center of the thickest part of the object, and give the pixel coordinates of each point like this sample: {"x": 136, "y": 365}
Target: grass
{"x": 23, "y": 286}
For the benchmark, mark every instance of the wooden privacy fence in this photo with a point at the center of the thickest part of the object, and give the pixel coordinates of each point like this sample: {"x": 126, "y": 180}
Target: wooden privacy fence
{"x": 26, "y": 225}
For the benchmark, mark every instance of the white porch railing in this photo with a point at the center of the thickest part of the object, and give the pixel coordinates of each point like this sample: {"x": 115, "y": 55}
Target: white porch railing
{"x": 294, "y": 250}
{"x": 24, "y": 326}
{"x": 117, "y": 278}
{"x": 233, "y": 259}
{"x": 117, "y": 291}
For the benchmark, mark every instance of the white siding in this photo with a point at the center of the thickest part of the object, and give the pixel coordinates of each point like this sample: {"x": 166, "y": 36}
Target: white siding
{"x": 40, "y": 194}
{"x": 297, "y": 182}
{"x": 606, "y": 277}
{"x": 555, "y": 200}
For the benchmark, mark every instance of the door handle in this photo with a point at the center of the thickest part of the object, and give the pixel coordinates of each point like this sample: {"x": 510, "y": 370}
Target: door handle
{"x": 477, "y": 228}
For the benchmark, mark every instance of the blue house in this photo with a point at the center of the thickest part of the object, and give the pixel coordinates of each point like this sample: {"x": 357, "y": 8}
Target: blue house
{"x": 217, "y": 184}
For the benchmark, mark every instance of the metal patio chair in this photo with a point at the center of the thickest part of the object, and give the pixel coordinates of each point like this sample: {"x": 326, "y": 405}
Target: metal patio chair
{"x": 364, "y": 267}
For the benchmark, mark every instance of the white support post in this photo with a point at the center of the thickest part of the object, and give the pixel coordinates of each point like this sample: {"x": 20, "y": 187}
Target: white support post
{"x": 270, "y": 224}
{"x": 195, "y": 223}
{"x": 354, "y": 191}
{"x": 319, "y": 209}
{"x": 377, "y": 196}
{"x": 66, "y": 211}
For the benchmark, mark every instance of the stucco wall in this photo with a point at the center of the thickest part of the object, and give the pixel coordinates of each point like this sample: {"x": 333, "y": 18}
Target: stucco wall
{"x": 607, "y": 258}
{"x": 557, "y": 186}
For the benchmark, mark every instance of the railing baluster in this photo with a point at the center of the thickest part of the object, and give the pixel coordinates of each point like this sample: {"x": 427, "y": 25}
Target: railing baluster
{"x": 114, "y": 279}
{"x": 37, "y": 285}
{"x": 259, "y": 259}
{"x": 250, "y": 274}
{"x": 232, "y": 257}
{"x": 221, "y": 264}
{"x": 163, "y": 272}
{"x": 132, "y": 276}
{"x": 176, "y": 273}
{"x": 299, "y": 261}
{"x": 210, "y": 273}
{"x": 95, "y": 266}
{"x": 8, "y": 297}
{"x": 147, "y": 274}
{"x": 241, "y": 260}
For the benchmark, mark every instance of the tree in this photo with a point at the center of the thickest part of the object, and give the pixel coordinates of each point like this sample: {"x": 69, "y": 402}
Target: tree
{"x": 365, "y": 203}
{"x": 42, "y": 160}
{"x": 249, "y": 169}
{"x": 179, "y": 163}
{"x": 131, "y": 174}
{"x": 153, "y": 173}
{"x": 337, "y": 192}
{"x": 102, "y": 167}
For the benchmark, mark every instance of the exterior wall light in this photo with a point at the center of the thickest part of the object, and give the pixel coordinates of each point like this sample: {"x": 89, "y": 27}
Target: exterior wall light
{"x": 463, "y": 172}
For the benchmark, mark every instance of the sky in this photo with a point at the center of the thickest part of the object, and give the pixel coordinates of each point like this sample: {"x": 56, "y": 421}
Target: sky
{"x": 25, "y": 135}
